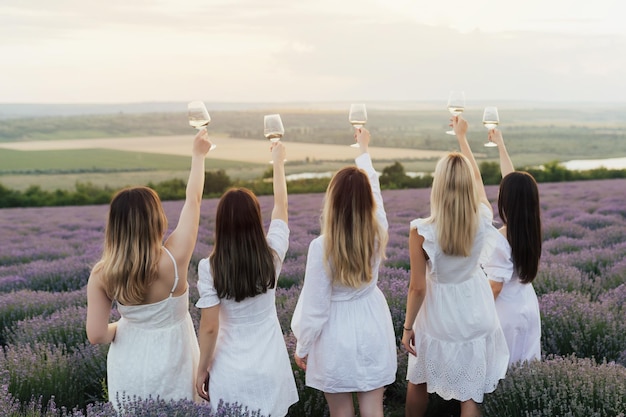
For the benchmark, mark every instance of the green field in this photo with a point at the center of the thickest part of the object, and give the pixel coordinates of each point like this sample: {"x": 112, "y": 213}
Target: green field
{"x": 534, "y": 135}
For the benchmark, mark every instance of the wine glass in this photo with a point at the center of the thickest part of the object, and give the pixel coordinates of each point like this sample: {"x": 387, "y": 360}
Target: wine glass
{"x": 456, "y": 105}
{"x": 491, "y": 121}
{"x": 273, "y": 128}
{"x": 357, "y": 118}
{"x": 199, "y": 116}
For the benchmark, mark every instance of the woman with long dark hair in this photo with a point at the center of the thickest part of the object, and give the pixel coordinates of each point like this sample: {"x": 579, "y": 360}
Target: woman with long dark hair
{"x": 515, "y": 261}
{"x": 243, "y": 357}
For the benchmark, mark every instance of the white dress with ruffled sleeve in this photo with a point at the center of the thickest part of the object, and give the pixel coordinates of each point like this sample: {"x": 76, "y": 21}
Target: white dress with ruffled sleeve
{"x": 461, "y": 350}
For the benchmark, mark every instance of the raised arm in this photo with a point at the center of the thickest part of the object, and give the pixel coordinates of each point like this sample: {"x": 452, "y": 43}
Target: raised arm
{"x": 364, "y": 161}
{"x": 506, "y": 165}
{"x": 182, "y": 240}
{"x": 460, "y": 128}
{"x": 280, "y": 183}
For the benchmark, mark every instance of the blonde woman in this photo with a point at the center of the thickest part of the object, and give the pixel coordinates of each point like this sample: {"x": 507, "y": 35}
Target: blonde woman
{"x": 154, "y": 351}
{"x": 345, "y": 337}
{"x": 451, "y": 330}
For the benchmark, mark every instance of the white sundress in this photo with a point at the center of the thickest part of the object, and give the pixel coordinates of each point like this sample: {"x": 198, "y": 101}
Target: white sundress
{"x": 155, "y": 351}
{"x": 251, "y": 365}
{"x": 517, "y": 306}
{"x": 461, "y": 350}
{"x": 346, "y": 332}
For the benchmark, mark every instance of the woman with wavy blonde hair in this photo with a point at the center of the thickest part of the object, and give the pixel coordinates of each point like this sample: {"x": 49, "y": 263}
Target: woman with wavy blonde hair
{"x": 154, "y": 351}
{"x": 342, "y": 322}
{"x": 451, "y": 330}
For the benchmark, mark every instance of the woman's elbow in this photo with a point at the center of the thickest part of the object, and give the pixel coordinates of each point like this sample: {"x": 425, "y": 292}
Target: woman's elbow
{"x": 96, "y": 338}
{"x": 417, "y": 291}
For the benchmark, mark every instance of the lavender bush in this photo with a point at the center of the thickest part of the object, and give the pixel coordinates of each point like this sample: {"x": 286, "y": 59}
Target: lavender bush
{"x": 560, "y": 386}
{"x": 46, "y": 254}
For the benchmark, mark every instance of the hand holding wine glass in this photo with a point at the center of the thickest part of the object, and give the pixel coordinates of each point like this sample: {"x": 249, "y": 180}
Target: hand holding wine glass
{"x": 491, "y": 120}
{"x": 362, "y": 138}
{"x": 278, "y": 151}
{"x": 199, "y": 116}
{"x": 357, "y": 118}
{"x": 456, "y": 105}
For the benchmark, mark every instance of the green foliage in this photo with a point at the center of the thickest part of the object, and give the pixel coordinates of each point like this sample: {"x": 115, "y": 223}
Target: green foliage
{"x": 216, "y": 182}
{"x": 394, "y": 177}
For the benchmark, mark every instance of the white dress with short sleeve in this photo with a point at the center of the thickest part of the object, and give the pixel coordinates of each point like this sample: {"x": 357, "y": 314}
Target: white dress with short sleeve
{"x": 346, "y": 332}
{"x": 155, "y": 351}
{"x": 461, "y": 350}
{"x": 251, "y": 365}
{"x": 517, "y": 306}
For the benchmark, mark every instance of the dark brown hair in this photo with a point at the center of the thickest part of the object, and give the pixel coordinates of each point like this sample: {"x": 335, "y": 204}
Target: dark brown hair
{"x": 242, "y": 262}
{"x": 518, "y": 206}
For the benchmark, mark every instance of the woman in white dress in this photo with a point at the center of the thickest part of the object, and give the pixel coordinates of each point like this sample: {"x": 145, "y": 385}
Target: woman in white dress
{"x": 243, "y": 357}
{"x": 342, "y": 323}
{"x": 154, "y": 350}
{"x": 515, "y": 261}
{"x": 451, "y": 330}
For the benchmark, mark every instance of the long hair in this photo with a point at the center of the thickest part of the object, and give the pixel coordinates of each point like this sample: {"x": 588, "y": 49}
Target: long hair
{"x": 132, "y": 244}
{"x": 242, "y": 261}
{"x": 518, "y": 206}
{"x": 352, "y": 235}
{"x": 454, "y": 204}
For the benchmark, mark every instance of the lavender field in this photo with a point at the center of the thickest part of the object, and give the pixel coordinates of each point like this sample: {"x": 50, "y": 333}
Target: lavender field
{"x": 46, "y": 255}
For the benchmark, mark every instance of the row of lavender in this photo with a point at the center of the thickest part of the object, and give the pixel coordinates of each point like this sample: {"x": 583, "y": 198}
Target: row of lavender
{"x": 46, "y": 255}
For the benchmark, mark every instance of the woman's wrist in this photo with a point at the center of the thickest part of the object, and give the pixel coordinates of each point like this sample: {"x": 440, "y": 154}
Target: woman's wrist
{"x": 407, "y": 329}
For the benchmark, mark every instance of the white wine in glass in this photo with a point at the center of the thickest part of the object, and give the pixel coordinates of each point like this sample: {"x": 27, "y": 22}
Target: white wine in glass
{"x": 199, "y": 116}
{"x": 456, "y": 105}
{"x": 273, "y": 128}
{"x": 491, "y": 120}
{"x": 357, "y": 118}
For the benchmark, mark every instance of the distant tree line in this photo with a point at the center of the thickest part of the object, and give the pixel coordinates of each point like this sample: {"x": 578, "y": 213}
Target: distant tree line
{"x": 216, "y": 182}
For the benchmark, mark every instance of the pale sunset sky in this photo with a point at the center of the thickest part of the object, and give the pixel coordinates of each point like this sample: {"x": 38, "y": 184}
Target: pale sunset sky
{"x": 116, "y": 51}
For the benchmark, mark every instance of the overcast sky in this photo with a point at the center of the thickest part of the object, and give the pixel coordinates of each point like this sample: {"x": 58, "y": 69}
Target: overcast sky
{"x": 76, "y": 51}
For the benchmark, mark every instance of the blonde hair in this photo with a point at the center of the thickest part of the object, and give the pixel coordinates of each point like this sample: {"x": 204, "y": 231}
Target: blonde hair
{"x": 454, "y": 204}
{"x": 352, "y": 235}
{"x": 132, "y": 244}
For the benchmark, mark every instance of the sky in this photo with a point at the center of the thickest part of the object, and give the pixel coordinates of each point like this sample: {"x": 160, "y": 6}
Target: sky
{"x": 126, "y": 51}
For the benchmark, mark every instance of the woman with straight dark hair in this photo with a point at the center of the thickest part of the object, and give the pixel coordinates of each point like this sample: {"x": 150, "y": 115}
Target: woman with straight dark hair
{"x": 342, "y": 322}
{"x": 243, "y": 357}
{"x": 515, "y": 261}
{"x": 154, "y": 350}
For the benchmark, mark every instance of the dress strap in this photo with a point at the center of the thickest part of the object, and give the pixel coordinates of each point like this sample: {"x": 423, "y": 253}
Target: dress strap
{"x": 175, "y": 269}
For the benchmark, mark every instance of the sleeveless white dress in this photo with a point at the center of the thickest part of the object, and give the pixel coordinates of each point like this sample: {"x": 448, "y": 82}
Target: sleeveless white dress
{"x": 461, "y": 350}
{"x": 250, "y": 365}
{"x": 155, "y": 352}
{"x": 517, "y": 306}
